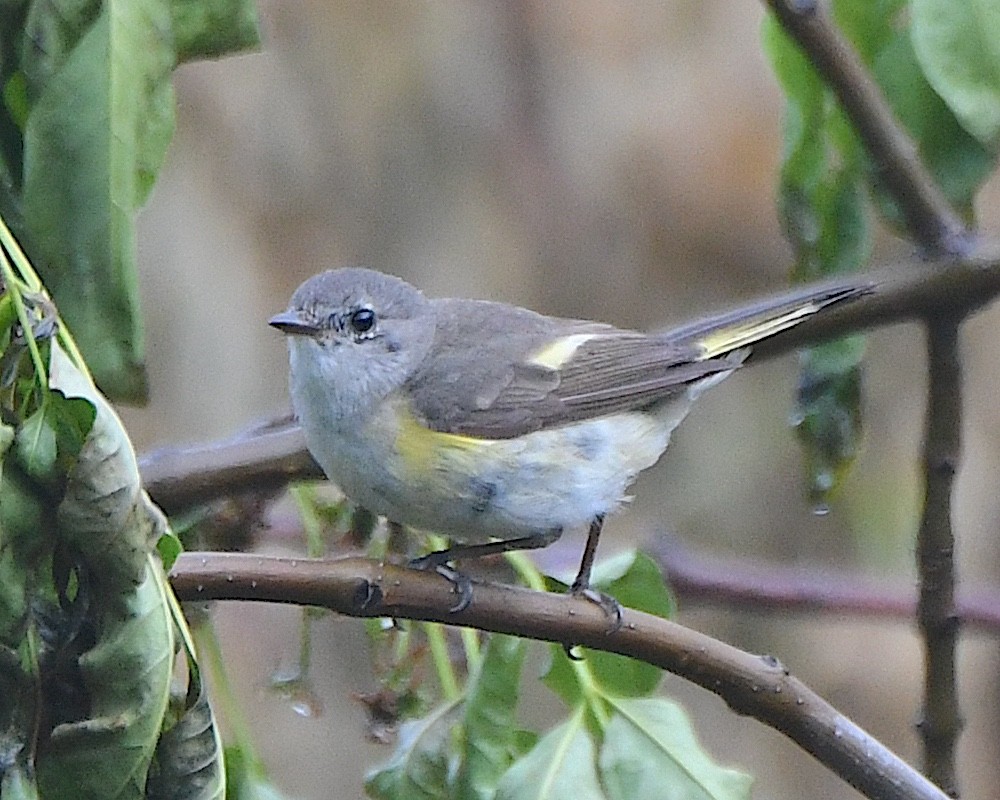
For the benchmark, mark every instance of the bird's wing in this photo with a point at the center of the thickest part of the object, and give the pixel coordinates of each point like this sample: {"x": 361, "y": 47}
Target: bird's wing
{"x": 499, "y": 372}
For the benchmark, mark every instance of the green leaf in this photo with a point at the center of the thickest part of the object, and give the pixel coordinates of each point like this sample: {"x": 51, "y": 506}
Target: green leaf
{"x": 36, "y": 444}
{"x": 828, "y": 412}
{"x": 636, "y": 582}
{"x": 94, "y": 140}
{"x": 421, "y": 764}
{"x": 51, "y": 31}
{"x": 822, "y": 202}
{"x": 650, "y": 751}
{"x": 868, "y": 24}
{"x": 15, "y": 99}
{"x": 73, "y": 419}
{"x": 561, "y": 678}
{"x": 957, "y": 161}
{"x": 18, "y": 783}
{"x": 490, "y": 729}
{"x": 213, "y": 28}
{"x": 562, "y": 764}
{"x": 88, "y": 119}
{"x": 958, "y": 45}
{"x": 27, "y": 528}
{"x": 246, "y": 779}
{"x": 169, "y": 547}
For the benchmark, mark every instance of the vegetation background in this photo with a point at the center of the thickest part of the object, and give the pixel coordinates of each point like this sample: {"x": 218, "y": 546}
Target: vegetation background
{"x": 611, "y": 161}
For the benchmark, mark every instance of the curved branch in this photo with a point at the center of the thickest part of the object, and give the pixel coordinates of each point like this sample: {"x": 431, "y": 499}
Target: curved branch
{"x": 757, "y": 686}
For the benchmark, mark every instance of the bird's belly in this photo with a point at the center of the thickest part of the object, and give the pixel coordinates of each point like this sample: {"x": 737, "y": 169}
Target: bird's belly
{"x": 475, "y": 489}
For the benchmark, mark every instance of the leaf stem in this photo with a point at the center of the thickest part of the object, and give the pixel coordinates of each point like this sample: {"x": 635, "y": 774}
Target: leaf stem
{"x": 438, "y": 645}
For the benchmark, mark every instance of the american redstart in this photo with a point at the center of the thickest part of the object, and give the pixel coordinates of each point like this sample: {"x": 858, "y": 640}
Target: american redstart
{"x": 491, "y": 424}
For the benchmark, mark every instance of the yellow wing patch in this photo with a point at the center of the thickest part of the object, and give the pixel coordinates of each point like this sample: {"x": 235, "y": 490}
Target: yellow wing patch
{"x": 558, "y": 352}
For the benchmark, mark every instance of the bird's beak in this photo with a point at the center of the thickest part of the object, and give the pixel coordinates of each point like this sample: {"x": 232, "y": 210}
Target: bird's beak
{"x": 291, "y": 323}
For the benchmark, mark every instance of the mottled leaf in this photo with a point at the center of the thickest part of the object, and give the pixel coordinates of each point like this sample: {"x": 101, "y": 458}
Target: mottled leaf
{"x": 828, "y": 412}
{"x": 822, "y": 201}
{"x": 127, "y": 678}
{"x": 104, "y": 511}
{"x": 189, "y": 763}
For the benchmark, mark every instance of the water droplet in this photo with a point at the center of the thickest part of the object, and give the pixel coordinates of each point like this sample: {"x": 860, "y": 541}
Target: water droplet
{"x": 821, "y": 509}
{"x": 823, "y": 480}
{"x": 253, "y": 583}
{"x": 303, "y": 707}
{"x": 796, "y": 418}
{"x": 286, "y": 674}
{"x": 199, "y": 588}
{"x": 229, "y": 578}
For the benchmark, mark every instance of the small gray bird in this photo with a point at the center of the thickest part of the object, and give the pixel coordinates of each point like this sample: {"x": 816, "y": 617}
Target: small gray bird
{"x": 493, "y": 425}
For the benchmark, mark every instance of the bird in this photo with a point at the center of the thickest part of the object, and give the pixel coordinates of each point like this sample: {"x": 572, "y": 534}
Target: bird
{"x": 491, "y": 424}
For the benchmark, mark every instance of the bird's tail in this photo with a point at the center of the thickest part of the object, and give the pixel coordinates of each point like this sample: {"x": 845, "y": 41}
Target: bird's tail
{"x": 723, "y": 333}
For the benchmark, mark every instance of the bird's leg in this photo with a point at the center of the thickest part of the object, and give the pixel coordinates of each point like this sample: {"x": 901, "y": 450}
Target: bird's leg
{"x": 581, "y": 585}
{"x": 438, "y": 560}
{"x": 582, "y": 582}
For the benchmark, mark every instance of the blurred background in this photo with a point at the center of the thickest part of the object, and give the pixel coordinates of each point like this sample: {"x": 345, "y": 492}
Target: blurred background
{"x": 589, "y": 159}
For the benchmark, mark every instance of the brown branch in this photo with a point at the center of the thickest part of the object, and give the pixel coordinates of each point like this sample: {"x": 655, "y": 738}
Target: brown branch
{"x": 275, "y": 454}
{"x": 770, "y": 587}
{"x": 757, "y": 686}
{"x": 261, "y": 460}
{"x": 931, "y": 220}
{"x": 941, "y": 721}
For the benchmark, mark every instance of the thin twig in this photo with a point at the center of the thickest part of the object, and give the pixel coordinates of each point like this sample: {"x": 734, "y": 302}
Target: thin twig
{"x": 698, "y": 577}
{"x": 753, "y": 685}
{"x": 931, "y": 220}
{"x": 941, "y": 720}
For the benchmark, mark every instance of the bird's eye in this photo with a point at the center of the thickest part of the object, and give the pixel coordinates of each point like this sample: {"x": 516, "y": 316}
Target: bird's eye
{"x": 362, "y": 320}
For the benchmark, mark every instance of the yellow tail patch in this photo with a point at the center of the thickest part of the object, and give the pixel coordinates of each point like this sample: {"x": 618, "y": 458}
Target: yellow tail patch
{"x": 733, "y": 337}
